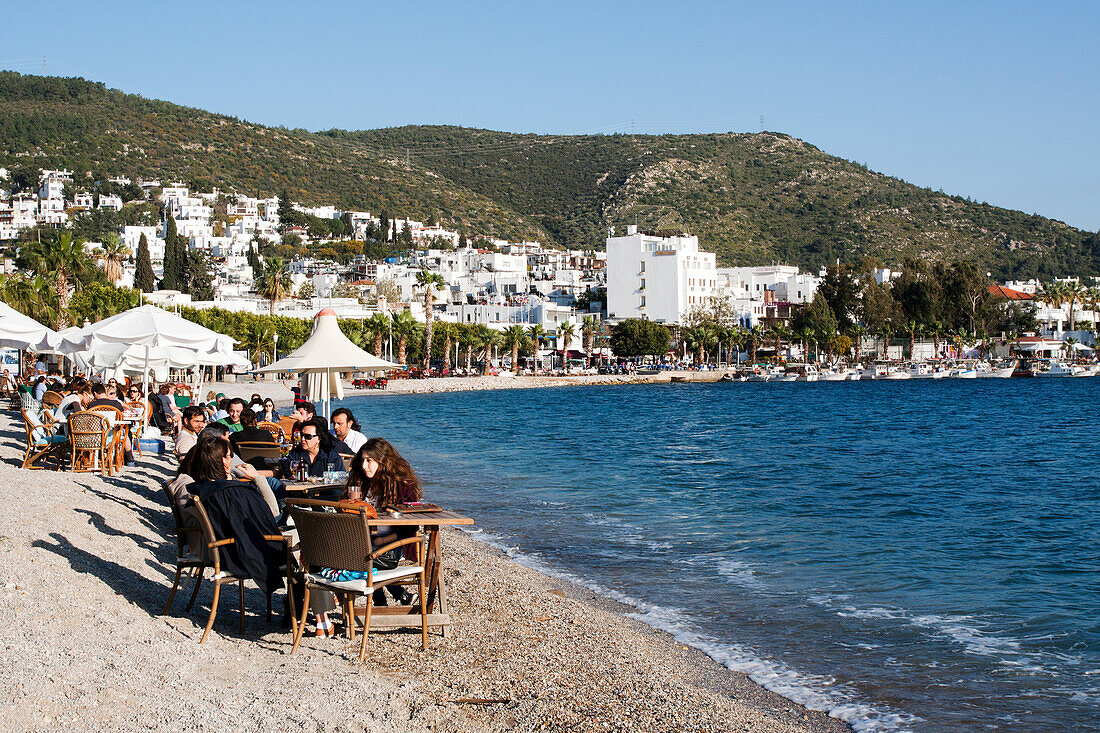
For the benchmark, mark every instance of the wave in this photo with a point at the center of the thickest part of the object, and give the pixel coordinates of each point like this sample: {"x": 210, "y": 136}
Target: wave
{"x": 815, "y": 692}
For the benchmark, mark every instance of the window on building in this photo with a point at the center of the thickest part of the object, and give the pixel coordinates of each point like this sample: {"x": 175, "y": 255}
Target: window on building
{"x": 643, "y": 267}
{"x": 643, "y": 301}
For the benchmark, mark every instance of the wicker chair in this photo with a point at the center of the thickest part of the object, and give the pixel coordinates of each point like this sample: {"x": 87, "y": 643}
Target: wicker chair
{"x": 43, "y": 438}
{"x": 221, "y": 577}
{"x": 287, "y": 423}
{"x": 250, "y": 451}
{"x": 90, "y": 440}
{"x": 115, "y": 430}
{"x": 275, "y": 429}
{"x": 189, "y": 555}
{"x": 341, "y": 541}
{"x": 138, "y": 429}
{"x": 52, "y": 399}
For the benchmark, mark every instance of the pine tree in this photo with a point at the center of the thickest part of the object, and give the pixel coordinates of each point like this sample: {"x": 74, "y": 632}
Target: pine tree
{"x": 172, "y": 265}
{"x": 200, "y": 283}
{"x": 144, "y": 280}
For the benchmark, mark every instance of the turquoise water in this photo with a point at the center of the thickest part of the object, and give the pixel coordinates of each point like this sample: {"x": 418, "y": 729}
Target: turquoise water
{"x": 919, "y": 555}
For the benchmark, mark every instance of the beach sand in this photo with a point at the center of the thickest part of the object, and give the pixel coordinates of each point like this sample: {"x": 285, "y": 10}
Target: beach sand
{"x": 280, "y": 391}
{"x": 86, "y": 567}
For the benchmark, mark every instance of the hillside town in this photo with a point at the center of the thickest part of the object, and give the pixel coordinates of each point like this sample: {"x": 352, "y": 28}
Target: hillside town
{"x": 659, "y": 276}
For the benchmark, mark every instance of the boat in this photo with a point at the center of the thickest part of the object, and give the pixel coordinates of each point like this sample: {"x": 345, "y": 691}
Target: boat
{"x": 993, "y": 371}
{"x": 808, "y": 373}
{"x": 885, "y": 372}
{"x": 926, "y": 371}
{"x": 963, "y": 372}
{"x": 1059, "y": 369}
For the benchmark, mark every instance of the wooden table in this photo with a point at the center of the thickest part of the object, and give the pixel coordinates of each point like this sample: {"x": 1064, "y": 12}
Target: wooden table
{"x": 309, "y": 488}
{"x": 388, "y": 617}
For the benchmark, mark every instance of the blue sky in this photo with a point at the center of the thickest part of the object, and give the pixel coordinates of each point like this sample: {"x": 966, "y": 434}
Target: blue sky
{"x": 993, "y": 100}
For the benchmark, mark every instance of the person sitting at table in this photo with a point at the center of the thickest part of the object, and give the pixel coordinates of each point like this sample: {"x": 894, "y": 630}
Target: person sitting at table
{"x": 346, "y": 430}
{"x": 268, "y": 413}
{"x": 194, "y": 420}
{"x": 134, "y": 393}
{"x": 383, "y": 477}
{"x": 249, "y": 433}
{"x": 172, "y": 414}
{"x": 237, "y": 470}
{"x": 303, "y": 413}
{"x": 236, "y": 510}
{"x": 315, "y": 448}
{"x": 80, "y": 392}
{"x": 40, "y": 387}
{"x": 221, "y": 409}
{"x": 100, "y": 397}
{"x": 232, "y": 419}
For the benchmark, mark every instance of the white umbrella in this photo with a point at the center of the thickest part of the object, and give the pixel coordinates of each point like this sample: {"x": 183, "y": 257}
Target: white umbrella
{"x": 325, "y": 354}
{"x": 18, "y": 331}
{"x": 156, "y": 328}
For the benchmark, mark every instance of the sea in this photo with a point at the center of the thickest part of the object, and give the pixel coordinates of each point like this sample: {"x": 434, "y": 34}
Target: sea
{"x": 917, "y": 555}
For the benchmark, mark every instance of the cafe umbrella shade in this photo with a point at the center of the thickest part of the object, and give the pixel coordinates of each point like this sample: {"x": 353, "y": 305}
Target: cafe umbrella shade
{"x": 18, "y": 331}
{"x": 325, "y": 355}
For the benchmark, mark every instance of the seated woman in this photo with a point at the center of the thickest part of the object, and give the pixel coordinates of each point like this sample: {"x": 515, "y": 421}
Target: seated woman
{"x": 383, "y": 477}
{"x": 315, "y": 448}
{"x": 236, "y": 509}
{"x": 269, "y": 413}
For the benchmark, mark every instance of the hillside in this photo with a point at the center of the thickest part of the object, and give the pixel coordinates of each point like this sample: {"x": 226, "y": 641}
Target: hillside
{"x": 753, "y": 198}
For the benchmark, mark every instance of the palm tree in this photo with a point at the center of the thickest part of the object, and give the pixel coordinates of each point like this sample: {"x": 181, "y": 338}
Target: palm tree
{"x": 910, "y": 329}
{"x": 375, "y": 329}
{"x": 446, "y": 331}
{"x": 780, "y": 332}
{"x": 114, "y": 252}
{"x": 756, "y": 336}
{"x": 1054, "y": 294}
{"x": 515, "y": 338}
{"x": 536, "y": 333}
{"x": 736, "y": 337}
{"x": 935, "y": 328}
{"x": 430, "y": 282}
{"x": 960, "y": 338}
{"x": 259, "y": 341}
{"x": 274, "y": 282}
{"x": 63, "y": 261}
{"x": 565, "y": 335}
{"x": 1092, "y": 299}
{"x": 858, "y": 330}
{"x": 1075, "y": 291}
{"x": 467, "y": 338}
{"x": 590, "y": 326}
{"x": 884, "y": 333}
{"x": 487, "y": 339}
{"x": 404, "y": 328}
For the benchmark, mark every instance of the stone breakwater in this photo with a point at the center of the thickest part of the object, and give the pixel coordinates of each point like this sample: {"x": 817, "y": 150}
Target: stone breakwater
{"x": 87, "y": 564}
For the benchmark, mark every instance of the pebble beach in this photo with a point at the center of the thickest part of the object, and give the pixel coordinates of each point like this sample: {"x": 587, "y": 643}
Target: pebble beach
{"x": 87, "y": 564}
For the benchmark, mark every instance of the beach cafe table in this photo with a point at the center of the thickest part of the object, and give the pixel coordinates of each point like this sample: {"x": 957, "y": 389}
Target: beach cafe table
{"x": 390, "y": 617}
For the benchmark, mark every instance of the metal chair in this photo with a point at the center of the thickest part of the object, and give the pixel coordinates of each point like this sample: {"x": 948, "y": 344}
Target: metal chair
{"x": 341, "y": 541}
{"x": 189, "y": 550}
{"x": 221, "y": 577}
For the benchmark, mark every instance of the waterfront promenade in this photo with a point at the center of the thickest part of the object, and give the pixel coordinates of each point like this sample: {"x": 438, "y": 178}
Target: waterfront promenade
{"x": 87, "y": 569}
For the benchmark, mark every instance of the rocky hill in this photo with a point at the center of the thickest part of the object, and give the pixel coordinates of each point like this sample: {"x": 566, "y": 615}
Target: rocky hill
{"x": 753, "y": 198}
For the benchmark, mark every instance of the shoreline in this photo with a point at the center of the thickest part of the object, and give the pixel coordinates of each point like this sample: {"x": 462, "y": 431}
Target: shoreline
{"x": 89, "y": 564}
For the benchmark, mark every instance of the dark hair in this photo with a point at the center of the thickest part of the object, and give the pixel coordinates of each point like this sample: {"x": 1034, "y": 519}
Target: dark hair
{"x": 223, "y": 404}
{"x": 248, "y": 417}
{"x": 346, "y": 413}
{"x": 393, "y": 473}
{"x": 192, "y": 411}
{"x": 76, "y": 384}
{"x": 215, "y": 429}
{"x": 136, "y": 386}
{"x": 308, "y": 407}
{"x": 236, "y": 401}
{"x": 208, "y": 459}
{"x": 98, "y": 388}
{"x": 318, "y": 424}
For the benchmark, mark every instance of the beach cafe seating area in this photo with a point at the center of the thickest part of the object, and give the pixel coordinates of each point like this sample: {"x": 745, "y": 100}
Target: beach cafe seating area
{"x": 323, "y": 553}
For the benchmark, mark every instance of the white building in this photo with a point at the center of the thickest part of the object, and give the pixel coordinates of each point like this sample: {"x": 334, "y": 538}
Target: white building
{"x": 657, "y": 278}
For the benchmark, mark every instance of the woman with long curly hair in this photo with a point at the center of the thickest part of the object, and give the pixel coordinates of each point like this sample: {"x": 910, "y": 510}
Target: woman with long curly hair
{"x": 380, "y": 475}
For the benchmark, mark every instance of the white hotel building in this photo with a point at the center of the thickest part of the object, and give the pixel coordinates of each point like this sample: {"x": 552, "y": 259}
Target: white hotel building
{"x": 657, "y": 278}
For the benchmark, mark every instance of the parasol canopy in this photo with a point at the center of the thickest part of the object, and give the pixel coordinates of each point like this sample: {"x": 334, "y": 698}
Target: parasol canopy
{"x": 324, "y": 356}
{"x": 18, "y": 331}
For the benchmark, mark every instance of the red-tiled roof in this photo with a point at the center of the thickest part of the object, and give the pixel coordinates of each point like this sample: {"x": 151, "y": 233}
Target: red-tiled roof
{"x": 1001, "y": 291}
